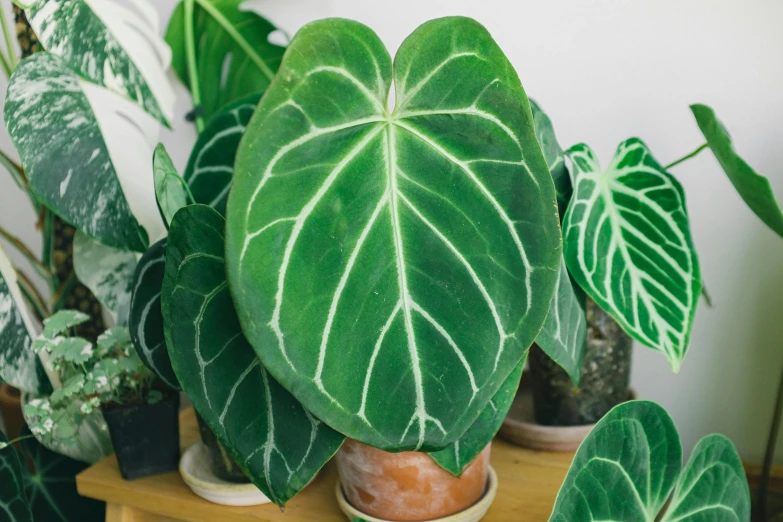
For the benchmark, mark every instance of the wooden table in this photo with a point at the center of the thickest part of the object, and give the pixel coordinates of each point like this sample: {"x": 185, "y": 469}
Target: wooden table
{"x": 529, "y": 482}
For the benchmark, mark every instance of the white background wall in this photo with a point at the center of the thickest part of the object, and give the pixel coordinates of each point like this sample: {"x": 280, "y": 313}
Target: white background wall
{"x": 606, "y": 70}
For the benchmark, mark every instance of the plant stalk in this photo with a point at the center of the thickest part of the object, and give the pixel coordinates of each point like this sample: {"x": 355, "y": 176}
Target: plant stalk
{"x": 26, "y": 252}
{"x": 12, "y": 61}
{"x": 687, "y": 157}
{"x": 190, "y": 51}
{"x": 36, "y": 301}
{"x": 769, "y": 454}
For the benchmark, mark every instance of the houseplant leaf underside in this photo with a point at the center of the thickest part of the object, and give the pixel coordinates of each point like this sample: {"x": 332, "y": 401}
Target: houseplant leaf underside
{"x": 626, "y": 469}
{"x": 236, "y": 58}
{"x": 418, "y": 248}
{"x": 110, "y": 45}
{"x": 86, "y": 152}
{"x": 627, "y": 243}
{"x": 276, "y": 442}
{"x": 754, "y": 188}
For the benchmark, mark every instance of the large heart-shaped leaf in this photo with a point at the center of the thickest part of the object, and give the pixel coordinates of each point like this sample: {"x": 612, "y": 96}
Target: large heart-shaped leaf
{"x": 418, "y": 248}
{"x": 626, "y": 469}
{"x": 110, "y": 45}
{"x": 555, "y": 156}
{"x": 211, "y": 164}
{"x": 565, "y": 331}
{"x": 754, "y": 188}
{"x": 146, "y": 319}
{"x": 276, "y": 442}
{"x": 107, "y": 272}
{"x": 86, "y": 151}
{"x": 627, "y": 243}
{"x": 14, "y": 506}
{"x": 234, "y": 56}
{"x": 19, "y": 366}
{"x": 459, "y": 455}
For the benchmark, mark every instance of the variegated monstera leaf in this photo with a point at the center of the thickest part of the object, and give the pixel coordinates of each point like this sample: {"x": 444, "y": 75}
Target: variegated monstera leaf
{"x": 417, "y": 247}
{"x": 86, "y": 151}
{"x": 627, "y": 243}
{"x": 110, "y": 45}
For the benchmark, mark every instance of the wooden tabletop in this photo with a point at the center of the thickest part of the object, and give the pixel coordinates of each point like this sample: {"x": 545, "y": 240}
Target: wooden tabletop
{"x": 528, "y": 484}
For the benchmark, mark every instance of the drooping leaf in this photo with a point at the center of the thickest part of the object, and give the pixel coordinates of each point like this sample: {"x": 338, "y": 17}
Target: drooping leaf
{"x": 19, "y": 364}
{"x": 14, "y": 506}
{"x": 754, "y": 188}
{"x": 554, "y": 155}
{"x": 107, "y": 272}
{"x": 51, "y": 487}
{"x": 459, "y": 455}
{"x": 86, "y": 152}
{"x": 425, "y": 240}
{"x": 211, "y": 164}
{"x": 146, "y": 320}
{"x": 233, "y": 54}
{"x": 627, "y": 243}
{"x": 170, "y": 191}
{"x": 278, "y": 444}
{"x": 62, "y": 321}
{"x": 110, "y": 45}
{"x": 565, "y": 331}
{"x": 627, "y": 467}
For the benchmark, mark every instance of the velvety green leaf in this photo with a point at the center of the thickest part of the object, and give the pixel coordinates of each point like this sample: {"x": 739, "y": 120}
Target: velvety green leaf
{"x": 51, "y": 488}
{"x": 627, "y": 467}
{"x": 86, "y": 152}
{"x": 110, "y": 45}
{"x": 233, "y": 54}
{"x": 565, "y": 331}
{"x": 459, "y": 455}
{"x": 13, "y": 501}
{"x": 211, "y": 164}
{"x": 418, "y": 248}
{"x": 555, "y": 157}
{"x": 170, "y": 191}
{"x": 628, "y": 244}
{"x": 107, "y": 272}
{"x": 146, "y": 320}
{"x": 278, "y": 444}
{"x": 19, "y": 365}
{"x": 754, "y": 188}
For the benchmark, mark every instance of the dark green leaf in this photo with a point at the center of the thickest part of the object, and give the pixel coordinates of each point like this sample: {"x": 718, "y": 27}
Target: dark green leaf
{"x": 14, "y": 506}
{"x": 170, "y": 191}
{"x": 278, "y": 444}
{"x": 554, "y": 155}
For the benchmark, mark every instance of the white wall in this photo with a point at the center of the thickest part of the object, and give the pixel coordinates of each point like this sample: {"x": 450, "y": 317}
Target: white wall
{"x": 606, "y": 70}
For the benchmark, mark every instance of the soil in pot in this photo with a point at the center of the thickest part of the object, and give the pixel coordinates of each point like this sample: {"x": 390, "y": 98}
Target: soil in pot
{"x": 223, "y": 466}
{"x": 407, "y": 486}
{"x": 145, "y": 436}
{"x": 11, "y": 409}
{"x": 606, "y": 375}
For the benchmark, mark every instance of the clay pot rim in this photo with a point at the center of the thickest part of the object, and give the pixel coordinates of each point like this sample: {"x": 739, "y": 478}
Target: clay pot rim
{"x": 477, "y": 510}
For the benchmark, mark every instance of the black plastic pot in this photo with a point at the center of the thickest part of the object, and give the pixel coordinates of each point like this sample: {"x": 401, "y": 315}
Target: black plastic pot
{"x": 223, "y": 466}
{"x": 606, "y": 375}
{"x": 145, "y": 436}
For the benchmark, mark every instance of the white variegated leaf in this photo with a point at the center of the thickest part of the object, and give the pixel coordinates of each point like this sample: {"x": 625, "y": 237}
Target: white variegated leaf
{"x": 86, "y": 151}
{"x": 627, "y": 243}
{"x": 110, "y": 45}
{"x": 107, "y": 272}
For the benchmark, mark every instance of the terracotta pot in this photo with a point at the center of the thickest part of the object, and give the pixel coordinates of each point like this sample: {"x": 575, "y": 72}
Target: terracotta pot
{"x": 407, "y": 486}
{"x": 11, "y": 409}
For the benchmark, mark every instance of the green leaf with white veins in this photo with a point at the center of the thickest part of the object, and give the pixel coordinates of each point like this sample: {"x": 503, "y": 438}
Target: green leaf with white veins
{"x": 110, "y": 45}
{"x": 627, "y": 467}
{"x": 211, "y": 165}
{"x": 170, "y": 190}
{"x": 425, "y": 240}
{"x": 86, "y": 152}
{"x": 234, "y": 56}
{"x": 459, "y": 455}
{"x": 146, "y": 319}
{"x": 19, "y": 364}
{"x": 13, "y": 502}
{"x": 278, "y": 444}
{"x": 107, "y": 272}
{"x": 627, "y": 243}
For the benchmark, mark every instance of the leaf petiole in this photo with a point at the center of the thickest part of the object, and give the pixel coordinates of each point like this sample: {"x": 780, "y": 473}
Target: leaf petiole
{"x": 190, "y": 50}
{"x": 687, "y": 157}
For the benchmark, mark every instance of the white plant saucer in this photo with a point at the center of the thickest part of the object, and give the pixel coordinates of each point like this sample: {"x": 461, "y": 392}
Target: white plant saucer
{"x": 196, "y": 471}
{"x": 473, "y": 514}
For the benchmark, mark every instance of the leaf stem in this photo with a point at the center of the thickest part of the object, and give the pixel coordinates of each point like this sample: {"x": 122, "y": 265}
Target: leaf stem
{"x": 190, "y": 51}
{"x": 8, "y": 42}
{"x": 37, "y": 302}
{"x": 26, "y": 252}
{"x": 4, "y": 445}
{"x": 58, "y": 299}
{"x": 687, "y": 157}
